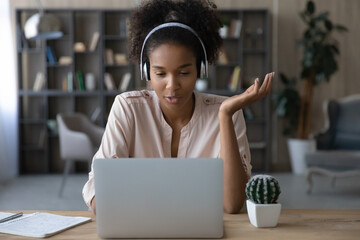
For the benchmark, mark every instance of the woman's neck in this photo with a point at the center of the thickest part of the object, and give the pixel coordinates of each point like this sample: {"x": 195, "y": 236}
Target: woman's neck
{"x": 178, "y": 119}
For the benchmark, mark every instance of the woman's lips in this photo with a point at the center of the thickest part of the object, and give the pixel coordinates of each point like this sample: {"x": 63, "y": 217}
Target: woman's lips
{"x": 173, "y": 99}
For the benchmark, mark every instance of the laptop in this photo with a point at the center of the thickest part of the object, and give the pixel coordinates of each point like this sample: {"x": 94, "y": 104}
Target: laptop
{"x": 159, "y": 197}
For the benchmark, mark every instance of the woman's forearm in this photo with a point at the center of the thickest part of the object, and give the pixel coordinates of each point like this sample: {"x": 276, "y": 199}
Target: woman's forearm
{"x": 235, "y": 177}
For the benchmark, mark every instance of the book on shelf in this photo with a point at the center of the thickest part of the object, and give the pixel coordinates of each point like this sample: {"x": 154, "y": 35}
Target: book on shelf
{"x": 235, "y": 28}
{"x": 64, "y": 84}
{"x": 109, "y": 56}
{"x": 121, "y": 59}
{"x": 39, "y": 82}
{"x": 125, "y": 81}
{"x": 39, "y": 224}
{"x": 234, "y": 79}
{"x": 94, "y": 41}
{"x": 109, "y": 81}
{"x": 70, "y": 82}
{"x": 65, "y": 60}
{"x": 80, "y": 80}
{"x": 50, "y": 54}
{"x": 79, "y": 47}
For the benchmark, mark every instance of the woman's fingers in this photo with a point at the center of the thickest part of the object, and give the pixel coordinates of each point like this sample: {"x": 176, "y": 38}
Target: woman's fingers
{"x": 266, "y": 86}
{"x": 266, "y": 83}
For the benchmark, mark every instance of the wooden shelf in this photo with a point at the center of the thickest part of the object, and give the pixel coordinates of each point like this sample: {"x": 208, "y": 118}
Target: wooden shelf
{"x": 118, "y": 65}
{"x": 36, "y": 108}
{"x": 32, "y": 148}
{"x": 254, "y": 51}
{"x": 114, "y": 37}
{"x": 33, "y": 121}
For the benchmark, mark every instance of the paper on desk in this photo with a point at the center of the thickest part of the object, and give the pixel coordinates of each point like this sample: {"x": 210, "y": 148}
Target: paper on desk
{"x": 5, "y": 215}
{"x": 40, "y": 224}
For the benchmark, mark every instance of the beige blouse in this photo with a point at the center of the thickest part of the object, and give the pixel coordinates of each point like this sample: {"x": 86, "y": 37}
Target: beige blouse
{"x": 137, "y": 128}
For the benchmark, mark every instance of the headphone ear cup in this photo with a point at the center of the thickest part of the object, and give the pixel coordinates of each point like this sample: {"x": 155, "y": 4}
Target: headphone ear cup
{"x": 146, "y": 71}
{"x": 202, "y": 69}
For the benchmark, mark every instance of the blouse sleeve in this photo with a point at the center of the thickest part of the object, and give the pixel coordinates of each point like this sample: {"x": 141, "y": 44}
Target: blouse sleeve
{"x": 240, "y": 131}
{"x": 115, "y": 141}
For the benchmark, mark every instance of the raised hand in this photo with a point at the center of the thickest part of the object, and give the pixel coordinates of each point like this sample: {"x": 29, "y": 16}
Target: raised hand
{"x": 251, "y": 95}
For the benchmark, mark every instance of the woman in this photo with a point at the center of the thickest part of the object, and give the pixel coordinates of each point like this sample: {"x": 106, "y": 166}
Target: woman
{"x": 173, "y": 41}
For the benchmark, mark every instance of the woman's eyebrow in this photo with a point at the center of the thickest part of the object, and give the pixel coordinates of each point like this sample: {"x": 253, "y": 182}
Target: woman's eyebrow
{"x": 185, "y": 65}
{"x": 159, "y": 67}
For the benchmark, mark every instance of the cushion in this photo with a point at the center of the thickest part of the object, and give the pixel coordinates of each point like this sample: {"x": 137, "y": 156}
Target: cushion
{"x": 336, "y": 160}
{"x": 347, "y": 132}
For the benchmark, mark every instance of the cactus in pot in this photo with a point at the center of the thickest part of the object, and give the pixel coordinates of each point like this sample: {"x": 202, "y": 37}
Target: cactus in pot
{"x": 263, "y": 192}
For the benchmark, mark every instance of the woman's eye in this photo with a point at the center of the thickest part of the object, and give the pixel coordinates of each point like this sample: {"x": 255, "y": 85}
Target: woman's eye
{"x": 160, "y": 74}
{"x": 184, "y": 73}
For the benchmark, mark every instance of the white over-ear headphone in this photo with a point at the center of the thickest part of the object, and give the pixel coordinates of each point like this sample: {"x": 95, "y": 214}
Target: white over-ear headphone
{"x": 143, "y": 67}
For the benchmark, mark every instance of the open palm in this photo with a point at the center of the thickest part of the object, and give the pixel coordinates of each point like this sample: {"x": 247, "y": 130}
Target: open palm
{"x": 251, "y": 95}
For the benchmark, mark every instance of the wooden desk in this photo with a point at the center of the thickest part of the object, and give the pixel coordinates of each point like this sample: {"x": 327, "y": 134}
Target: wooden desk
{"x": 293, "y": 224}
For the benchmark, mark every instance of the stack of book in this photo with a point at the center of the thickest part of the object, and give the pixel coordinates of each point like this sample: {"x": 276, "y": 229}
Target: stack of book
{"x": 73, "y": 81}
{"x": 234, "y": 81}
{"x": 123, "y": 85}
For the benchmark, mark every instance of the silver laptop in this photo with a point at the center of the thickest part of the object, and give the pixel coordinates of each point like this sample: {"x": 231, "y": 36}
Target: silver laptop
{"x": 159, "y": 197}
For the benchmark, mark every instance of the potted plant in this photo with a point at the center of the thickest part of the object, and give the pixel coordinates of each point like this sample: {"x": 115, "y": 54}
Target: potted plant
{"x": 318, "y": 64}
{"x": 288, "y": 107}
{"x": 263, "y": 192}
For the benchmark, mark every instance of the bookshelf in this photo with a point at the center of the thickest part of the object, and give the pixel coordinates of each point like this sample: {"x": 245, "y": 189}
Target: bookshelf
{"x": 250, "y": 50}
{"x": 38, "y": 141}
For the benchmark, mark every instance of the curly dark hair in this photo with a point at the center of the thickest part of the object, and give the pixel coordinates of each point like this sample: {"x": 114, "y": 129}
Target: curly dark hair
{"x": 199, "y": 15}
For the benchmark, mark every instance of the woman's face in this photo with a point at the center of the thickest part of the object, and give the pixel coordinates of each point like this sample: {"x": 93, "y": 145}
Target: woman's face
{"x": 173, "y": 75}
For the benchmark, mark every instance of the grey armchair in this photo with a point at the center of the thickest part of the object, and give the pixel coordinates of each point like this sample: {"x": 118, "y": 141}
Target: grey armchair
{"x": 338, "y": 148}
{"x": 79, "y": 140}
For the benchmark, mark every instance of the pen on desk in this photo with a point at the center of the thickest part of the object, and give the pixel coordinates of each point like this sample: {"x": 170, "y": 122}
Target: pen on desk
{"x": 11, "y": 217}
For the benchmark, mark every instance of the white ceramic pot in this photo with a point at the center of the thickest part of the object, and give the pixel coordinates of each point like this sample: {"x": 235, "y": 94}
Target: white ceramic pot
{"x": 298, "y": 148}
{"x": 263, "y": 215}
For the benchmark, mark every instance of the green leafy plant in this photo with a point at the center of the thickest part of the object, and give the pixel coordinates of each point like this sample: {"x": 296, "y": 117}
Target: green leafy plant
{"x": 263, "y": 189}
{"x": 288, "y": 104}
{"x": 319, "y": 51}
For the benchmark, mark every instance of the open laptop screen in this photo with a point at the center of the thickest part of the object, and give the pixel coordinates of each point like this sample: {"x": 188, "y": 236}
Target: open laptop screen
{"x": 159, "y": 197}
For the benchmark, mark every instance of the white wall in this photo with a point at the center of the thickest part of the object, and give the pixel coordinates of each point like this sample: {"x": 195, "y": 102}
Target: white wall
{"x": 8, "y": 99}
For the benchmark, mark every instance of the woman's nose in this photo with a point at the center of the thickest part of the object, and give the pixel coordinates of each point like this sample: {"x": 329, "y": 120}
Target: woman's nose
{"x": 172, "y": 82}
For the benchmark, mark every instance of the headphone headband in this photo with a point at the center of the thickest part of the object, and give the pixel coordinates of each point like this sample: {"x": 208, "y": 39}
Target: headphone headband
{"x": 172, "y": 24}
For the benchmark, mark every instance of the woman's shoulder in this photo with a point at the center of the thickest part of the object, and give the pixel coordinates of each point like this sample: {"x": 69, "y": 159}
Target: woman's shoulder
{"x": 210, "y": 99}
{"x": 139, "y": 96}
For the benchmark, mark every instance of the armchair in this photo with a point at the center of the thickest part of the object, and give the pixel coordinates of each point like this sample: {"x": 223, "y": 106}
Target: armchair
{"x": 338, "y": 148}
{"x": 79, "y": 140}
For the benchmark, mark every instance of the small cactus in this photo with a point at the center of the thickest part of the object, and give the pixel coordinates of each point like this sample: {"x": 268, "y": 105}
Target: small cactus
{"x": 263, "y": 189}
